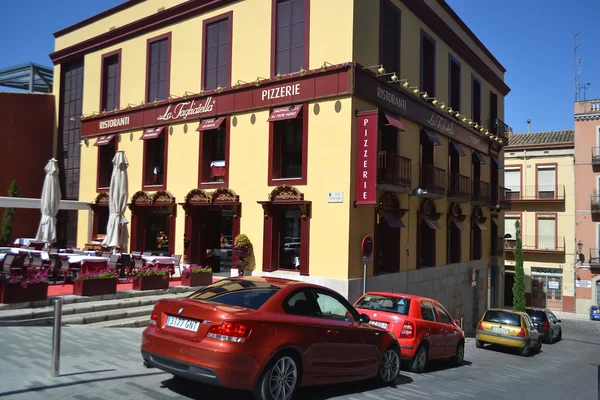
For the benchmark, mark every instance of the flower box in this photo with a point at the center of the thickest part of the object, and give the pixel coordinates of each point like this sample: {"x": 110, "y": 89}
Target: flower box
{"x": 94, "y": 287}
{"x": 150, "y": 282}
{"x": 15, "y": 293}
{"x": 196, "y": 279}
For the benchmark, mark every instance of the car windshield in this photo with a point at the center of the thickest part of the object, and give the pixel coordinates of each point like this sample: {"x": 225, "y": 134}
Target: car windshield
{"x": 397, "y": 305}
{"x": 537, "y": 315}
{"x": 502, "y": 317}
{"x": 240, "y": 293}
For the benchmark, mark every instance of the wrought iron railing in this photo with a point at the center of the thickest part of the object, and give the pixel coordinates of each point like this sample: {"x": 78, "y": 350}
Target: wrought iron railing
{"x": 595, "y": 203}
{"x": 459, "y": 186}
{"x": 393, "y": 169}
{"x": 538, "y": 243}
{"x": 499, "y": 195}
{"x": 595, "y": 155}
{"x": 498, "y": 127}
{"x": 433, "y": 179}
{"x": 536, "y": 192}
{"x": 481, "y": 192}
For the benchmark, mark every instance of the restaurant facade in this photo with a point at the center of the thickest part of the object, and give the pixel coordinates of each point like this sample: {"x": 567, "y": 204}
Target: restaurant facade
{"x": 250, "y": 117}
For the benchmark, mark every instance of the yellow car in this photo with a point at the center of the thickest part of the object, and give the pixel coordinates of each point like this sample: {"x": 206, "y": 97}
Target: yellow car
{"x": 508, "y": 328}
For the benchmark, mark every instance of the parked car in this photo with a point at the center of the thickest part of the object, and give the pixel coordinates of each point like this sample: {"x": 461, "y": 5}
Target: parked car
{"x": 508, "y": 328}
{"x": 267, "y": 335}
{"x": 424, "y": 328}
{"x": 594, "y": 313}
{"x": 546, "y": 324}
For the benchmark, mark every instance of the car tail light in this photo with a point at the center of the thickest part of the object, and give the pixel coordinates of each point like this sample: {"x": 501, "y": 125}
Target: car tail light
{"x": 408, "y": 330}
{"x": 153, "y": 319}
{"x": 546, "y": 325}
{"x": 231, "y": 331}
{"x": 521, "y": 333}
{"x": 479, "y": 326}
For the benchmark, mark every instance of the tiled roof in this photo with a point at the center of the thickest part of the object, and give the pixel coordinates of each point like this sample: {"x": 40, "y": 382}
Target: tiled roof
{"x": 540, "y": 138}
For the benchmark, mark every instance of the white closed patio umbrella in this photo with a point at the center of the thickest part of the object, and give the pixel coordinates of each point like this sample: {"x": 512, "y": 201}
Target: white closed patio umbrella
{"x": 50, "y": 203}
{"x": 117, "y": 235}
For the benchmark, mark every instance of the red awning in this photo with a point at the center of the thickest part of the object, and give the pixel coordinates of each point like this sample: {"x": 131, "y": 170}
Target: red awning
{"x": 104, "y": 140}
{"x": 152, "y": 133}
{"x": 395, "y": 122}
{"x": 283, "y": 113}
{"x": 210, "y": 123}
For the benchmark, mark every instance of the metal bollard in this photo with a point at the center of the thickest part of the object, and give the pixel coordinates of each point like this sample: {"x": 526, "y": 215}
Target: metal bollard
{"x": 598, "y": 381}
{"x": 364, "y": 278}
{"x": 461, "y": 323}
{"x": 56, "y": 337}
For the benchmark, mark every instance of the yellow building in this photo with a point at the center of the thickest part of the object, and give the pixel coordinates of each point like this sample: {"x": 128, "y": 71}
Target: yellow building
{"x": 539, "y": 172}
{"x": 290, "y": 104}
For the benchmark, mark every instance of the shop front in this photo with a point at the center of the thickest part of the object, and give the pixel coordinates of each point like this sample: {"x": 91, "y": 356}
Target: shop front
{"x": 212, "y": 221}
{"x": 153, "y": 222}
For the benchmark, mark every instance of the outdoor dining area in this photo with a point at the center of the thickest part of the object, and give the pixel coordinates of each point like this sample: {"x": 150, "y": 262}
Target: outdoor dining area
{"x": 33, "y": 269}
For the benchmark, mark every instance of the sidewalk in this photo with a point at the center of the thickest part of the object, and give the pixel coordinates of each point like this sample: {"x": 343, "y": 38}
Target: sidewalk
{"x": 568, "y": 315}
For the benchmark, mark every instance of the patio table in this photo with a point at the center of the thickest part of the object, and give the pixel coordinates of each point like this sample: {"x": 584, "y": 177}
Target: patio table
{"x": 43, "y": 254}
{"x": 159, "y": 259}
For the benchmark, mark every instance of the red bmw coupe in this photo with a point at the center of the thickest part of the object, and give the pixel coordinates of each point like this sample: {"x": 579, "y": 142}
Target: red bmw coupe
{"x": 424, "y": 328}
{"x": 268, "y": 335}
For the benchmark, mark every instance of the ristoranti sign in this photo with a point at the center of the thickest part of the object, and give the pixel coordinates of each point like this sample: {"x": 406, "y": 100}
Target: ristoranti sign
{"x": 288, "y": 91}
{"x": 406, "y": 105}
{"x": 366, "y": 158}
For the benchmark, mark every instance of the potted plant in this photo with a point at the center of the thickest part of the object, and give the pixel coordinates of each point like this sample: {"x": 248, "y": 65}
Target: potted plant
{"x": 24, "y": 287}
{"x": 96, "y": 283}
{"x": 595, "y": 204}
{"x": 242, "y": 246}
{"x": 150, "y": 278}
{"x": 196, "y": 275}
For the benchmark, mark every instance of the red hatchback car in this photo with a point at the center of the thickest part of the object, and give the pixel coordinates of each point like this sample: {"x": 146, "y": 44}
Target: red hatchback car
{"x": 267, "y": 335}
{"x": 424, "y": 328}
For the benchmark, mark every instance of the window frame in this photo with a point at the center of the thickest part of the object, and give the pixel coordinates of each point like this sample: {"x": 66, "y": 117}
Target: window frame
{"x": 546, "y": 166}
{"x": 221, "y": 17}
{"x": 302, "y": 180}
{"x": 119, "y": 54}
{"x": 543, "y": 216}
{"x": 149, "y": 42}
{"x": 337, "y": 297}
{"x": 398, "y": 13}
{"x": 441, "y": 310}
{"x": 274, "y": 35}
{"x": 422, "y": 304}
{"x": 454, "y": 60}
{"x": 475, "y": 79}
{"x": 226, "y": 124}
{"x": 426, "y": 36}
{"x": 99, "y": 168}
{"x": 165, "y": 135}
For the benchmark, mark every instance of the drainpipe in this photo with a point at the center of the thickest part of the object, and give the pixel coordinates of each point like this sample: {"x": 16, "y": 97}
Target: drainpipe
{"x": 528, "y": 126}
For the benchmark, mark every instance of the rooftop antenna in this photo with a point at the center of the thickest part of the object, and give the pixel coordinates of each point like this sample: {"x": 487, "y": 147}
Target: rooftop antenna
{"x": 575, "y": 65}
{"x": 528, "y": 126}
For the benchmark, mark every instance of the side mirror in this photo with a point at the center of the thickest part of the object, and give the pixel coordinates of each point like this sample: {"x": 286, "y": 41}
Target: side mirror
{"x": 364, "y": 319}
{"x": 457, "y": 323}
{"x": 558, "y": 321}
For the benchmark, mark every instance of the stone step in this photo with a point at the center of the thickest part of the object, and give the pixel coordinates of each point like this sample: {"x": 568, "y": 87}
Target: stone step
{"x": 109, "y": 315}
{"x": 133, "y": 322}
{"x": 44, "y": 315}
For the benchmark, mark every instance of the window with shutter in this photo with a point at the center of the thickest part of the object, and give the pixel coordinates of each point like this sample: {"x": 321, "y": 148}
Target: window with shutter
{"x": 546, "y": 233}
{"x": 509, "y": 227}
{"x": 546, "y": 181}
{"x": 216, "y": 55}
{"x": 289, "y": 51}
{"x": 158, "y": 70}
{"x": 389, "y": 49}
{"x": 512, "y": 181}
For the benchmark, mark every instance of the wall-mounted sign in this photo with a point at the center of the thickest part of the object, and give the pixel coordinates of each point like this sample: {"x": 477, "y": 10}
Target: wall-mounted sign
{"x": 335, "y": 197}
{"x": 553, "y": 285}
{"x": 366, "y": 158}
{"x": 583, "y": 284}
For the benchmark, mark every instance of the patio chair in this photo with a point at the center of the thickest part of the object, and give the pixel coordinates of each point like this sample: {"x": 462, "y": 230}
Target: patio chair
{"x": 36, "y": 263}
{"x": 177, "y": 258}
{"x": 106, "y": 254}
{"x": 147, "y": 253}
{"x": 10, "y": 264}
{"x": 113, "y": 260}
{"x": 136, "y": 253}
{"x": 65, "y": 269}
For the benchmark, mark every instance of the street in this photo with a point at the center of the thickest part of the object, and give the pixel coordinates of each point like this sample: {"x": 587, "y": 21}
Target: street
{"x": 106, "y": 364}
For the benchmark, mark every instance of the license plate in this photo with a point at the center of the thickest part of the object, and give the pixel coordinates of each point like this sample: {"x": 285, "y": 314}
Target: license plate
{"x": 500, "y": 329}
{"x": 379, "y": 324}
{"x": 183, "y": 323}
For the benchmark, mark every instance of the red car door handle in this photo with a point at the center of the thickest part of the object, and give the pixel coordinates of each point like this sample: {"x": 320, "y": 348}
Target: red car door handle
{"x": 332, "y": 331}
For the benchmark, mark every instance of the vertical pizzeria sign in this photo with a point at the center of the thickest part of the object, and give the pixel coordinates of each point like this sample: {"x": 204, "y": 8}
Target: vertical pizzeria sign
{"x": 366, "y": 158}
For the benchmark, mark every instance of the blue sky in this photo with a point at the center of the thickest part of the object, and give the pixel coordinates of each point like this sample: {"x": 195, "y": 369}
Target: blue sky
{"x": 533, "y": 39}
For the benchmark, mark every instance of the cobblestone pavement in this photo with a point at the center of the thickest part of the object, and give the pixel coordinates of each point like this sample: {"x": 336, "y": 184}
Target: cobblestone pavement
{"x": 101, "y": 364}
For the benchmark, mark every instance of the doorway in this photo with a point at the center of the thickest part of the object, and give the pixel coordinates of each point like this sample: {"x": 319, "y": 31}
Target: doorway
{"x": 211, "y": 238}
{"x": 509, "y": 281}
{"x": 153, "y": 222}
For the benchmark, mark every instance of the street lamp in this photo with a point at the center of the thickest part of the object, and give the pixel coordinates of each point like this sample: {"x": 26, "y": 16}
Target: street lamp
{"x": 575, "y": 268}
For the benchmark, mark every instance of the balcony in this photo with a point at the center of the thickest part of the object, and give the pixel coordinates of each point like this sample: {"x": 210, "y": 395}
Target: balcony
{"x": 498, "y": 127}
{"x": 538, "y": 244}
{"x": 533, "y": 193}
{"x": 481, "y": 193}
{"x": 393, "y": 171}
{"x": 433, "y": 180}
{"x": 499, "y": 199}
{"x": 594, "y": 256}
{"x": 459, "y": 187}
{"x": 595, "y": 204}
{"x": 595, "y": 155}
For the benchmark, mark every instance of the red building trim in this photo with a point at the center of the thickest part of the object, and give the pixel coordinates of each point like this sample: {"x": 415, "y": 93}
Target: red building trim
{"x": 118, "y": 95}
{"x": 221, "y": 17}
{"x": 149, "y": 42}
{"x": 274, "y": 35}
{"x": 165, "y": 169}
{"x": 201, "y": 172}
{"x": 293, "y": 181}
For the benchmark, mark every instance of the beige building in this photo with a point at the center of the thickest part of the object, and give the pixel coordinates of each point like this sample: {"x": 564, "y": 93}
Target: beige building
{"x": 539, "y": 172}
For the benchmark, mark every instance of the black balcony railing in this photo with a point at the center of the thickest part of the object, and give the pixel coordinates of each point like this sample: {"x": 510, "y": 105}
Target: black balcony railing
{"x": 538, "y": 243}
{"x": 595, "y": 155}
{"x": 481, "y": 192}
{"x": 459, "y": 186}
{"x": 595, "y": 203}
{"x": 536, "y": 193}
{"x": 393, "y": 169}
{"x": 594, "y": 256}
{"x": 498, "y": 127}
{"x": 499, "y": 197}
{"x": 433, "y": 179}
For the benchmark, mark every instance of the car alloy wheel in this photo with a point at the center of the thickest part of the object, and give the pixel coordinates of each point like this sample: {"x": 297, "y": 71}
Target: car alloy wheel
{"x": 420, "y": 361}
{"x": 283, "y": 378}
{"x": 460, "y": 353}
{"x": 389, "y": 369}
